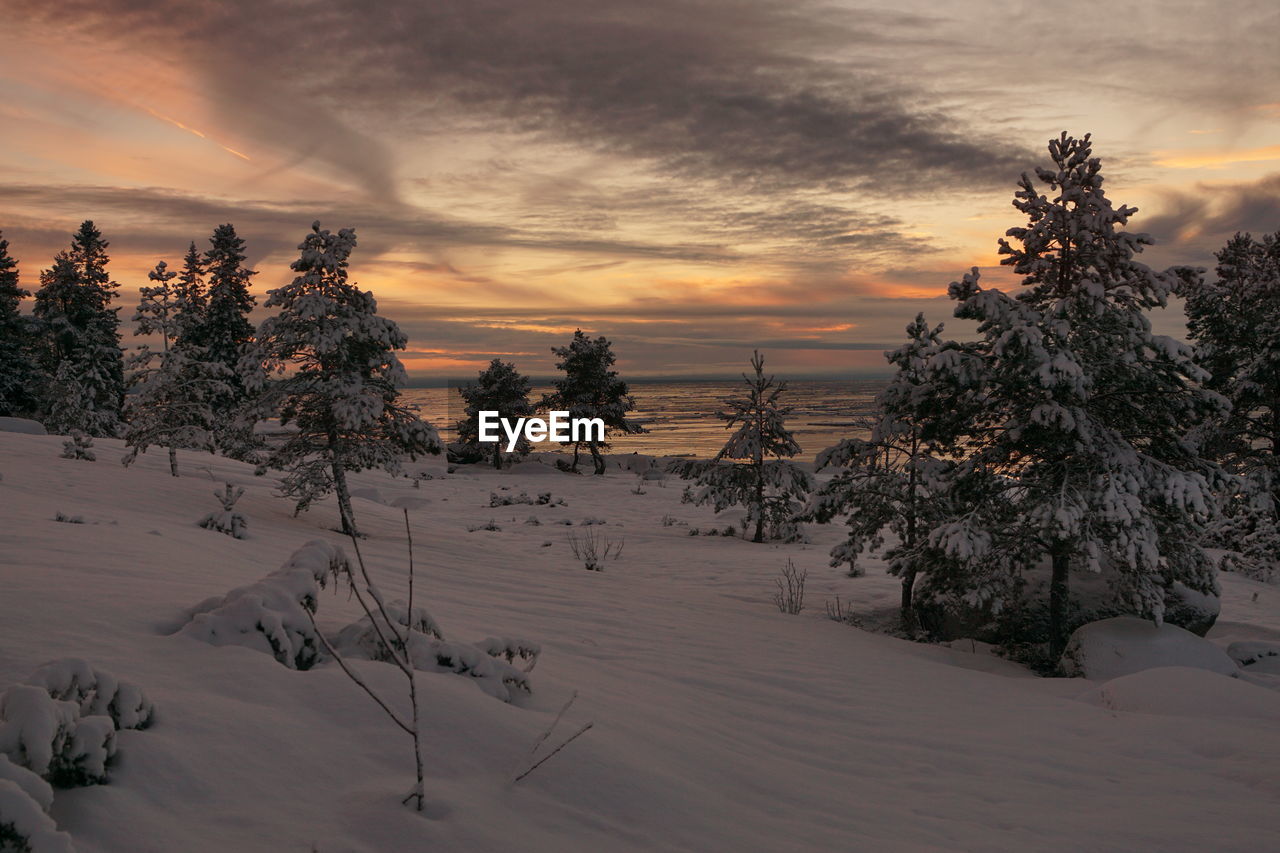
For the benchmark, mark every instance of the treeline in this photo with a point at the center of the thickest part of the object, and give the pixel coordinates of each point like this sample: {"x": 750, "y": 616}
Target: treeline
{"x": 324, "y": 364}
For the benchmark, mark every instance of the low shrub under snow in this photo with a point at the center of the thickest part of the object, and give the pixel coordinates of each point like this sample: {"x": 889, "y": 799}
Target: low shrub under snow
{"x": 272, "y": 614}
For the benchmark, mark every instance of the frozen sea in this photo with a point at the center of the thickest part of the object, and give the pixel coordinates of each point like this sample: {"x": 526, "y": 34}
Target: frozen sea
{"x": 680, "y": 417}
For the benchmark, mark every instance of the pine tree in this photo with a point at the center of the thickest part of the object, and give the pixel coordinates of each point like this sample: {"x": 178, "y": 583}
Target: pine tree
{"x": 80, "y": 339}
{"x": 224, "y": 327}
{"x": 1235, "y": 324}
{"x": 175, "y": 388}
{"x": 591, "y": 388}
{"x": 189, "y": 297}
{"x": 764, "y": 482}
{"x": 884, "y": 482}
{"x": 499, "y": 388}
{"x": 18, "y": 376}
{"x": 326, "y": 365}
{"x": 1077, "y": 441}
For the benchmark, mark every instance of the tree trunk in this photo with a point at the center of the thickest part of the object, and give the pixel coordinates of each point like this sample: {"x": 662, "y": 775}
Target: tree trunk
{"x": 497, "y": 458}
{"x": 597, "y": 458}
{"x": 759, "y": 537}
{"x": 908, "y": 584}
{"x": 576, "y": 448}
{"x": 1058, "y": 593}
{"x": 173, "y": 461}
{"x": 344, "y": 497}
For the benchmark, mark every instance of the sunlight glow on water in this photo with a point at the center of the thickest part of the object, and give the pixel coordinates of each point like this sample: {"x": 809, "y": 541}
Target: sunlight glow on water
{"x": 681, "y": 416}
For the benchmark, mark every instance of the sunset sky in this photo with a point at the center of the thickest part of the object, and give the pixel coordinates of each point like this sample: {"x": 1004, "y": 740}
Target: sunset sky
{"x": 690, "y": 179}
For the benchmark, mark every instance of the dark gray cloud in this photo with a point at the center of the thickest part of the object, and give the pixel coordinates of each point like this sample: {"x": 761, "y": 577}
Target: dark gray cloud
{"x": 1191, "y": 225}
{"x": 753, "y": 94}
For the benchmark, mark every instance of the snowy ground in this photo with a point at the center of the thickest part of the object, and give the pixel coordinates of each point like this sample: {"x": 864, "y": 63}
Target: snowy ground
{"x": 720, "y": 724}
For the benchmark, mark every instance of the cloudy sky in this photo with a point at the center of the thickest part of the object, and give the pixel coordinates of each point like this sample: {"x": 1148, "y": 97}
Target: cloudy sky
{"x": 691, "y": 178}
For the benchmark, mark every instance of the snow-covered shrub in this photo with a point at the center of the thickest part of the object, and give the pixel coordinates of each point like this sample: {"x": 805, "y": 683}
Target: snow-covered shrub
{"x": 95, "y": 691}
{"x": 227, "y": 520}
{"x": 495, "y": 677}
{"x": 49, "y": 737}
{"x": 491, "y": 526}
{"x": 25, "y": 825}
{"x": 272, "y": 614}
{"x": 511, "y": 648}
{"x": 363, "y": 639}
{"x": 489, "y": 661}
{"x": 62, "y": 517}
{"x": 79, "y": 446}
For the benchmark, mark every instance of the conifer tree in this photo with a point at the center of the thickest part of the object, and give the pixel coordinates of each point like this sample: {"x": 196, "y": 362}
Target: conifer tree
{"x": 18, "y": 377}
{"x": 326, "y": 364}
{"x": 189, "y": 299}
{"x": 591, "y": 388}
{"x": 759, "y": 477}
{"x": 1078, "y": 447}
{"x": 499, "y": 388}
{"x": 1235, "y": 324}
{"x": 224, "y": 307}
{"x": 79, "y": 339}
{"x": 884, "y": 482}
{"x": 175, "y": 388}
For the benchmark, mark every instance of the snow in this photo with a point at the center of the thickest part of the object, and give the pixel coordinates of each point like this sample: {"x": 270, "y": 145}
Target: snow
{"x": 22, "y": 425}
{"x": 719, "y": 723}
{"x": 1123, "y": 645}
{"x": 1188, "y": 692}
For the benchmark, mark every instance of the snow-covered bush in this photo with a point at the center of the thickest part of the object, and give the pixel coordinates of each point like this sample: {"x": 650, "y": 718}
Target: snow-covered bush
{"x": 79, "y": 446}
{"x": 510, "y": 648}
{"x": 95, "y": 691}
{"x": 49, "y": 737}
{"x": 273, "y": 614}
{"x": 227, "y": 520}
{"x": 489, "y": 661}
{"x": 25, "y": 825}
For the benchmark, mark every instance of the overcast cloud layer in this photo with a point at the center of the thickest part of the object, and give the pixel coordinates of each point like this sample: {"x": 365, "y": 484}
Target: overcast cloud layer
{"x": 692, "y": 178}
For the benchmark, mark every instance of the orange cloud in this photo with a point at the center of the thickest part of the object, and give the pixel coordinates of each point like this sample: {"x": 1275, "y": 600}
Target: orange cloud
{"x": 1215, "y": 159}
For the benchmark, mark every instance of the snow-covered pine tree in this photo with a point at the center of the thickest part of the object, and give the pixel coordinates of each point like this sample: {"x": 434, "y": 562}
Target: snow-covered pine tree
{"x": 189, "y": 299}
{"x": 18, "y": 375}
{"x": 224, "y": 328}
{"x": 1077, "y": 436}
{"x": 1235, "y": 324}
{"x": 752, "y": 469}
{"x": 884, "y": 482}
{"x": 175, "y": 388}
{"x": 79, "y": 340}
{"x": 591, "y": 388}
{"x": 326, "y": 364}
{"x": 499, "y": 388}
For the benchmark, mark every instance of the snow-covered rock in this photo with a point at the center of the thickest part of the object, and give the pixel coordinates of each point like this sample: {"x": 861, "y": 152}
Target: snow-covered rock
{"x": 1124, "y": 645}
{"x": 1184, "y": 691}
{"x": 22, "y": 425}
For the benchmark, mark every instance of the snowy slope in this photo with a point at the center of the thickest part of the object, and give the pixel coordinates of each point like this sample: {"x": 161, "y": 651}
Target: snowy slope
{"x": 720, "y": 724}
